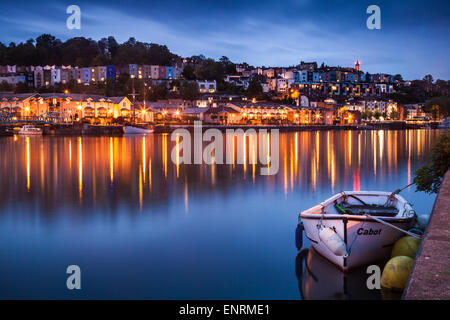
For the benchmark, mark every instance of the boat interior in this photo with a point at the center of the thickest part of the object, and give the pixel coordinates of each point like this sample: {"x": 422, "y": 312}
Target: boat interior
{"x": 360, "y": 203}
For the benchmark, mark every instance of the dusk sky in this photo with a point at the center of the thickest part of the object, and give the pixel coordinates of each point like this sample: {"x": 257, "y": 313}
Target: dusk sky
{"x": 413, "y": 40}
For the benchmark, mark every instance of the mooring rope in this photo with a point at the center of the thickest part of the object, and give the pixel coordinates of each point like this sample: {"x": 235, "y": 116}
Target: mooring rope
{"x": 391, "y": 197}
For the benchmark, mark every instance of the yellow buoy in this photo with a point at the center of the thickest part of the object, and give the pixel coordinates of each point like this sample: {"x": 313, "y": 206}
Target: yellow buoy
{"x": 396, "y": 273}
{"x": 406, "y": 246}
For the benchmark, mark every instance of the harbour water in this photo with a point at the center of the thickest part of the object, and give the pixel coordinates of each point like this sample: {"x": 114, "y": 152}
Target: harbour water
{"x": 140, "y": 226}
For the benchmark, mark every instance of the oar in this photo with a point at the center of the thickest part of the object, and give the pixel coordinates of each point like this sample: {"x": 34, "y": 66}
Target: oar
{"x": 392, "y": 226}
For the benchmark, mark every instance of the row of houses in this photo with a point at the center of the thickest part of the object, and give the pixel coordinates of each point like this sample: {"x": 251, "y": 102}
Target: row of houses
{"x": 37, "y": 76}
{"x": 42, "y": 76}
{"x": 309, "y": 80}
{"x": 80, "y": 106}
{"x": 226, "y": 109}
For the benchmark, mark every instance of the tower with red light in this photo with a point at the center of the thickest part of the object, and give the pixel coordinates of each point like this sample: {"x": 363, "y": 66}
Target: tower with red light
{"x": 357, "y": 65}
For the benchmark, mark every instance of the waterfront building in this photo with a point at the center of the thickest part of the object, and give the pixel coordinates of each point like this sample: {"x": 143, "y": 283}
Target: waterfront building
{"x": 225, "y": 115}
{"x": 300, "y": 76}
{"x": 133, "y": 70}
{"x": 93, "y": 108}
{"x": 309, "y": 66}
{"x": 10, "y": 69}
{"x": 165, "y": 111}
{"x": 177, "y": 72}
{"x": 29, "y": 78}
{"x": 207, "y": 86}
{"x": 100, "y": 74}
{"x": 18, "y": 104}
{"x": 143, "y": 112}
{"x": 85, "y": 75}
{"x": 257, "y": 113}
{"x": 269, "y": 73}
{"x": 154, "y": 72}
{"x": 146, "y": 71}
{"x": 47, "y": 77}
{"x": 169, "y": 73}
{"x": 161, "y": 72}
{"x": 110, "y": 72}
{"x": 38, "y": 77}
{"x": 191, "y": 114}
{"x": 65, "y": 75}
{"x": 55, "y": 76}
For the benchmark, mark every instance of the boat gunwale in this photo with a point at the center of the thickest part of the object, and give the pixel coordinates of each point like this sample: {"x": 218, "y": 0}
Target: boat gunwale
{"x": 318, "y": 216}
{"x": 325, "y": 215}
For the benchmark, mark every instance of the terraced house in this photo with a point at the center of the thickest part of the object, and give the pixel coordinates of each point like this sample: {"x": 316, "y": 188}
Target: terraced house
{"x": 92, "y": 108}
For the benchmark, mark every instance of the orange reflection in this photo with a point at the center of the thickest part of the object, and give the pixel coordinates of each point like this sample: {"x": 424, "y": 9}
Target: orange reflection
{"x": 164, "y": 137}
{"x": 111, "y": 160}
{"x": 349, "y": 146}
{"x": 80, "y": 169}
{"x": 178, "y": 156}
{"x": 27, "y": 139}
{"x": 144, "y": 158}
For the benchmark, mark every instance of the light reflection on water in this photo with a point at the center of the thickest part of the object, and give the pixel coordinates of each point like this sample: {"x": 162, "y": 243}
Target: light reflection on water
{"x": 141, "y": 226}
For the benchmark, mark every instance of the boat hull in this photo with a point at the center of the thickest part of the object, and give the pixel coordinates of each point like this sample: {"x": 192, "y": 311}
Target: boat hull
{"x": 135, "y": 130}
{"x": 30, "y": 133}
{"x": 366, "y": 240}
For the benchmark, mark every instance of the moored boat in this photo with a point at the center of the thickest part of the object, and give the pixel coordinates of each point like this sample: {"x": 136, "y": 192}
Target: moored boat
{"x": 136, "y": 130}
{"x": 444, "y": 124}
{"x": 30, "y": 130}
{"x": 355, "y": 228}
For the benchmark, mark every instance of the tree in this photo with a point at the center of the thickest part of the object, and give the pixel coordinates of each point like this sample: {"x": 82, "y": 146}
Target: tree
{"x": 210, "y": 70}
{"x": 438, "y": 106}
{"x": 367, "y": 114}
{"x": 158, "y": 92}
{"x": 429, "y": 177}
{"x": 188, "y": 73}
{"x": 23, "y": 87}
{"x": 394, "y": 115}
{"x": 398, "y": 77}
{"x": 189, "y": 90}
{"x": 230, "y": 67}
{"x": 5, "y": 86}
{"x": 428, "y": 78}
{"x": 254, "y": 88}
{"x": 376, "y": 114}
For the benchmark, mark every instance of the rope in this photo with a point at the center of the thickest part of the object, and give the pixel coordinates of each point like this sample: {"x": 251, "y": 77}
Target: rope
{"x": 395, "y": 227}
{"x": 354, "y": 239}
{"x": 391, "y": 197}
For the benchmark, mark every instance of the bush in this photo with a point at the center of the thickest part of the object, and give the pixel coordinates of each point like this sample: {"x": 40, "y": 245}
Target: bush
{"x": 429, "y": 177}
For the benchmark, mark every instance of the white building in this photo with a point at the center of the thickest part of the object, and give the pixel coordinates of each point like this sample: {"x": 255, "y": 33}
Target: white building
{"x": 55, "y": 76}
{"x": 154, "y": 72}
{"x": 207, "y": 86}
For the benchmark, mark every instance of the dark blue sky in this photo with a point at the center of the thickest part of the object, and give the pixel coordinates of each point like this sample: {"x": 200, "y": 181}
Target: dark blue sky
{"x": 413, "y": 40}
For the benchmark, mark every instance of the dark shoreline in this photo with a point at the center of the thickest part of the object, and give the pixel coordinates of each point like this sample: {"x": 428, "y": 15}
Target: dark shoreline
{"x": 117, "y": 130}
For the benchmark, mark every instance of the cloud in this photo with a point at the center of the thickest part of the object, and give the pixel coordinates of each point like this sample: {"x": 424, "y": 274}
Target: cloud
{"x": 413, "y": 39}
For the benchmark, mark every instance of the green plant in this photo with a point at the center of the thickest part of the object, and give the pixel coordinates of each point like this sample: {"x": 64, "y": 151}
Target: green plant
{"x": 429, "y": 177}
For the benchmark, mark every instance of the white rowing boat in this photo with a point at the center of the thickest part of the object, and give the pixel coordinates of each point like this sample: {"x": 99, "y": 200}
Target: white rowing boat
{"x": 135, "y": 130}
{"x": 355, "y": 228}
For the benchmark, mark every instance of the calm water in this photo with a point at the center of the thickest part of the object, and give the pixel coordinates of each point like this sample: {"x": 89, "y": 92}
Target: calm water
{"x": 140, "y": 226}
